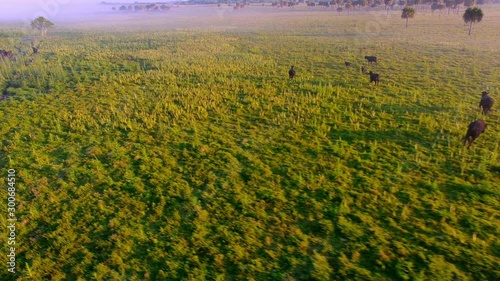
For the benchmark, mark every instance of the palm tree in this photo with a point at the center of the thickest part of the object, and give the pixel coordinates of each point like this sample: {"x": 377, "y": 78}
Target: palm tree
{"x": 408, "y": 13}
{"x": 42, "y": 24}
{"x": 469, "y": 3}
{"x": 348, "y": 6}
{"x": 388, "y": 4}
{"x": 471, "y": 15}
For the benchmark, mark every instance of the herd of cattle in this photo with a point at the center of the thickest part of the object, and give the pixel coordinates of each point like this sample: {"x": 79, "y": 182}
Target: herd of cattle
{"x": 11, "y": 56}
{"x": 475, "y": 128}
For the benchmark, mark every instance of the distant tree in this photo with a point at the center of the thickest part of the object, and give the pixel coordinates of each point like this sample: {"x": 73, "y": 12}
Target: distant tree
{"x": 457, "y": 5}
{"x": 449, "y": 4}
{"x": 388, "y": 4}
{"x": 437, "y": 6}
{"x": 472, "y": 15}
{"x": 408, "y": 13}
{"x": 469, "y": 3}
{"x": 362, "y": 3}
{"x": 348, "y": 6}
{"x": 42, "y": 24}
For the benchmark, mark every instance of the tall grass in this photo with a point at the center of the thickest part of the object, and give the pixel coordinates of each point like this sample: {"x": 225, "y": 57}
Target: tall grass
{"x": 189, "y": 154}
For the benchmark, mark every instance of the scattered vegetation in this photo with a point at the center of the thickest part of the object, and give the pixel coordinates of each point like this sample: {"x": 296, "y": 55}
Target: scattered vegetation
{"x": 179, "y": 149}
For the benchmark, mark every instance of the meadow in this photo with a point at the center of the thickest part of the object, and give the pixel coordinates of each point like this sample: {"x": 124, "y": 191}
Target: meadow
{"x": 176, "y": 147}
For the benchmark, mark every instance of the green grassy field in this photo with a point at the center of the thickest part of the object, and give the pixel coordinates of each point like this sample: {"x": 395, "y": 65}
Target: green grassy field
{"x": 177, "y": 148}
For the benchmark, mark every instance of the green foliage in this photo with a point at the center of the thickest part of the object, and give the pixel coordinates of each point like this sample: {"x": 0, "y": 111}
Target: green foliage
{"x": 472, "y": 15}
{"x": 322, "y": 270}
{"x": 42, "y": 24}
{"x": 185, "y": 153}
{"x": 408, "y": 13}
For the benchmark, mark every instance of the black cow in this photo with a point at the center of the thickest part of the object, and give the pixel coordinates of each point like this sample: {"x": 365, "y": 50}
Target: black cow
{"x": 371, "y": 59}
{"x": 291, "y": 72}
{"x": 475, "y": 129}
{"x": 486, "y": 102}
{"x": 347, "y": 64}
{"x": 374, "y": 77}
{"x": 6, "y": 54}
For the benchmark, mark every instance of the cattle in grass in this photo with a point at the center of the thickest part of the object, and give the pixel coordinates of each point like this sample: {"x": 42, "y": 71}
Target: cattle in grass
{"x": 347, "y": 64}
{"x": 291, "y": 72}
{"x": 486, "y": 102}
{"x": 6, "y": 54}
{"x": 371, "y": 59}
{"x": 475, "y": 129}
{"x": 374, "y": 77}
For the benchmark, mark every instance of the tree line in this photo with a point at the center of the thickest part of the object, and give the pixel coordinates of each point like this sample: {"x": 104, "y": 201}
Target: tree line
{"x": 143, "y": 8}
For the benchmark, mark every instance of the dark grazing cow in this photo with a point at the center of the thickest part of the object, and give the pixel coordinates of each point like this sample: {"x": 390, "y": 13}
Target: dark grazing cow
{"x": 475, "y": 129}
{"x": 35, "y": 48}
{"x": 347, "y": 64}
{"x": 6, "y": 54}
{"x": 371, "y": 59}
{"x": 291, "y": 72}
{"x": 486, "y": 102}
{"x": 374, "y": 77}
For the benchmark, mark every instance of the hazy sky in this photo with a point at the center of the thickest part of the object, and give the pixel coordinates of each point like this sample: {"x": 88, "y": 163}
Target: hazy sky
{"x": 51, "y": 9}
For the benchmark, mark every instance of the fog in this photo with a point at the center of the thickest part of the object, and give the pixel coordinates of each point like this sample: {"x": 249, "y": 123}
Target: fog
{"x": 26, "y": 10}
{"x": 95, "y": 15}
{"x": 58, "y": 10}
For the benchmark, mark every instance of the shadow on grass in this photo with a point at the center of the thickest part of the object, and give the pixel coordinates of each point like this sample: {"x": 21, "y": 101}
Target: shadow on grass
{"x": 415, "y": 109}
{"x": 456, "y": 191}
{"x": 398, "y": 136}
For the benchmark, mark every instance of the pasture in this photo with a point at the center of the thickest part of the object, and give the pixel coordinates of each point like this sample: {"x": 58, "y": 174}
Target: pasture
{"x": 177, "y": 148}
